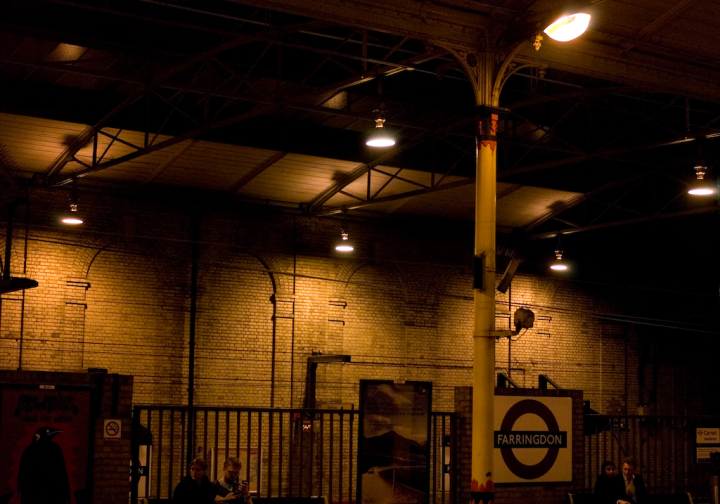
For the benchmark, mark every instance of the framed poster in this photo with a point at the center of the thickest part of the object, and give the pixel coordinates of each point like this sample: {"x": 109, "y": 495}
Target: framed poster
{"x": 394, "y": 442}
{"x": 44, "y": 442}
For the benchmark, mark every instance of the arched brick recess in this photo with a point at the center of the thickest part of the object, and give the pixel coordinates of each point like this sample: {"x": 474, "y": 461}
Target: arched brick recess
{"x": 234, "y": 331}
{"x": 136, "y": 321}
{"x": 374, "y": 332}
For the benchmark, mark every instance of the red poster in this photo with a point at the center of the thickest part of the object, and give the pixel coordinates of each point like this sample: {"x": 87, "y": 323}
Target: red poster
{"x": 44, "y": 436}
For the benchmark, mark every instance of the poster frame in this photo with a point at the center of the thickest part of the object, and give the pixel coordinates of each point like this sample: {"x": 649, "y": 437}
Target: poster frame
{"x": 364, "y": 384}
{"x": 93, "y": 414}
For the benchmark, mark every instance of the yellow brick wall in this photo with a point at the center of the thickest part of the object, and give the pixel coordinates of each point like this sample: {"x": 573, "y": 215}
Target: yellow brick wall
{"x": 117, "y": 296}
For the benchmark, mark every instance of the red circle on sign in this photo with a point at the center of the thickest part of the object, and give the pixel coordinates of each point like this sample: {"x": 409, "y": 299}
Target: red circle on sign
{"x": 529, "y": 406}
{"x": 112, "y": 428}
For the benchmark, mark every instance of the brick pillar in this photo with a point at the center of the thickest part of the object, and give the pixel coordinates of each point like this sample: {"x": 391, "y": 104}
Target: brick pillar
{"x": 110, "y": 469}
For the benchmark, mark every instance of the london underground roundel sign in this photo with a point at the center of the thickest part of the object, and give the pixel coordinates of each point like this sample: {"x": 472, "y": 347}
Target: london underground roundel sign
{"x": 533, "y": 439}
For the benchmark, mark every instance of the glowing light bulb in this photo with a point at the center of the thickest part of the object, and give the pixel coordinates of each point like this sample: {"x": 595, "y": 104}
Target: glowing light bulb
{"x": 568, "y": 27}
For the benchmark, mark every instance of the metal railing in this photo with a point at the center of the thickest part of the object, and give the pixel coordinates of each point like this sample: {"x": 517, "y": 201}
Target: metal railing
{"x": 284, "y": 452}
{"x": 664, "y": 447}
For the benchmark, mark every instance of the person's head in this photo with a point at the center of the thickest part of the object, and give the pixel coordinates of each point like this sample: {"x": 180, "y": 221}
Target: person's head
{"x": 197, "y": 469}
{"x": 608, "y": 468}
{"x": 231, "y": 469}
{"x": 628, "y": 467}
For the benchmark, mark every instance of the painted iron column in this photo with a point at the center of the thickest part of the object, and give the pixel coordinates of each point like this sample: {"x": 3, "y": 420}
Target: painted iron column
{"x": 484, "y": 295}
{"x": 487, "y": 80}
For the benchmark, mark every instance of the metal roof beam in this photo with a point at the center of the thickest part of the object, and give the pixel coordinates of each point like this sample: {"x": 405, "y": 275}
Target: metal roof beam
{"x": 409, "y": 18}
{"x": 317, "y": 202}
{"x": 626, "y": 222}
{"x": 82, "y": 139}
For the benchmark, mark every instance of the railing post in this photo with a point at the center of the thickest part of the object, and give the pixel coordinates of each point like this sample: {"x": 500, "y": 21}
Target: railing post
{"x": 135, "y": 455}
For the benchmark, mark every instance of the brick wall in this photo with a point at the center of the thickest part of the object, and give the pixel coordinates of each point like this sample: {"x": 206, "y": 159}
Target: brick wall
{"x": 111, "y": 398}
{"x": 539, "y": 493}
{"x": 115, "y": 294}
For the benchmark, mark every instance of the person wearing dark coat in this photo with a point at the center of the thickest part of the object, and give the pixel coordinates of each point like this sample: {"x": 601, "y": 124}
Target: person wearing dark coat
{"x": 633, "y": 487}
{"x": 42, "y": 476}
{"x": 195, "y": 488}
{"x": 608, "y": 485}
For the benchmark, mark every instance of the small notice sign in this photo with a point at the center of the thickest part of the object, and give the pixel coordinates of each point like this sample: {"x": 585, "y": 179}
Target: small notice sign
{"x": 708, "y": 435}
{"x": 704, "y": 453}
{"x": 112, "y": 430}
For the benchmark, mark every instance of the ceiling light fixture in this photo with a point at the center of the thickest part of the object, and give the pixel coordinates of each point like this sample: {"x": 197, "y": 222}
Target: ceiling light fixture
{"x": 568, "y": 27}
{"x": 701, "y": 187}
{"x": 558, "y": 264}
{"x": 380, "y": 136}
{"x": 73, "y": 218}
{"x": 344, "y": 245}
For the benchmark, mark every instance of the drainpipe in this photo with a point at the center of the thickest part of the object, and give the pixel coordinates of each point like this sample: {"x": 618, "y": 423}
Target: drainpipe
{"x": 195, "y": 224}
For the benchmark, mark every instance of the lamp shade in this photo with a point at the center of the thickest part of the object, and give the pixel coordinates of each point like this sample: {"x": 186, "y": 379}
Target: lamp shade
{"x": 701, "y": 188}
{"x": 568, "y": 27}
{"x": 380, "y": 137}
{"x": 72, "y": 219}
{"x": 344, "y": 244}
{"x": 558, "y": 264}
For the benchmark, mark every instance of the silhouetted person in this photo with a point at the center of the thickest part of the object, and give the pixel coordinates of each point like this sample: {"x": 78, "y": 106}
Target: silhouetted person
{"x": 42, "y": 478}
{"x": 607, "y": 485}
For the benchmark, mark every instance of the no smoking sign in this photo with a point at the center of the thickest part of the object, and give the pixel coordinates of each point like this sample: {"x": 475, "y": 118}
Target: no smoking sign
{"x": 112, "y": 430}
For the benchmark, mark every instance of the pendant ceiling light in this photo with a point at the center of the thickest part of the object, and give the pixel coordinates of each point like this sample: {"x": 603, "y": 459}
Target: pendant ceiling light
{"x": 558, "y": 264}
{"x": 73, "y": 218}
{"x": 380, "y": 136}
{"x": 344, "y": 244}
{"x": 701, "y": 187}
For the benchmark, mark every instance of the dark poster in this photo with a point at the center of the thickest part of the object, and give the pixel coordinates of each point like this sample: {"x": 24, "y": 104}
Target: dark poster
{"x": 394, "y": 448}
{"x": 44, "y": 436}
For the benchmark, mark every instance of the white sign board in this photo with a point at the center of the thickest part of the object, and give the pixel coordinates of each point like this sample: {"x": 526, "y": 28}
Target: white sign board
{"x": 703, "y": 454}
{"x": 112, "y": 430}
{"x": 532, "y": 439}
{"x": 708, "y": 435}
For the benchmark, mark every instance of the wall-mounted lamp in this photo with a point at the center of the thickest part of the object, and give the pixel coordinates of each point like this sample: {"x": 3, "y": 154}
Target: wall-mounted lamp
{"x": 701, "y": 187}
{"x": 73, "y": 218}
{"x": 568, "y": 27}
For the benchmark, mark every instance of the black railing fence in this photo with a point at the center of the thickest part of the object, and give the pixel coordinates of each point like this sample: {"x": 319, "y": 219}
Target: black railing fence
{"x": 664, "y": 447}
{"x": 284, "y": 452}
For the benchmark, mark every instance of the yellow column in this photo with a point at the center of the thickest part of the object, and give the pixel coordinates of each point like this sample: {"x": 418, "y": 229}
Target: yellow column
{"x": 484, "y": 305}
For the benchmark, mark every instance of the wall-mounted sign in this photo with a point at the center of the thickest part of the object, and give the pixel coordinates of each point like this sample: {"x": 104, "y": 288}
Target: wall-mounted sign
{"x": 533, "y": 439}
{"x": 707, "y": 435}
{"x": 705, "y": 452}
{"x": 112, "y": 430}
